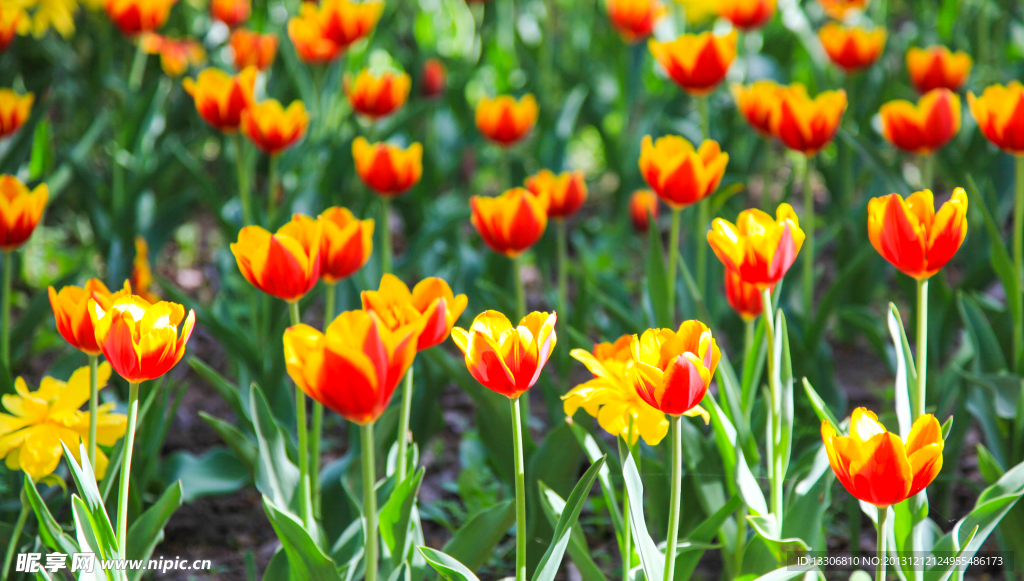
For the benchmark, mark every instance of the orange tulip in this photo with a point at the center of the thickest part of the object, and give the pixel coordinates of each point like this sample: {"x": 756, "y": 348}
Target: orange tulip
{"x": 504, "y": 359}
{"x": 936, "y": 67}
{"x": 680, "y": 175}
{"x": 136, "y": 16}
{"x": 511, "y": 222}
{"x": 756, "y": 102}
{"x": 744, "y": 298}
{"x": 231, "y": 12}
{"x": 696, "y": 62}
{"x": 431, "y": 307}
{"x": 309, "y": 37}
{"x": 20, "y": 211}
{"x": 757, "y": 247}
{"x": 175, "y": 54}
{"x": 71, "y": 312}
{"x": 389, "y": 170}
{"x": 10, "y": 18}
{"x": 346, "y": 244}
{"x": 272, "y": 127}
{"x": 505, "y": 120}
{"x": 347, "y": 22}
{"x": 673, "y": 369}
{"x": 643, "y": 205}
{"x": 353, "y": 368}
{"x": 911, "y": 236}
{"x": 999, "y": 112}
{"x": 804, "y": 124}
{"x": 253, "y": 49}
{"x": 926, "y": 127}
{"x": 220, "y": 98}
{"x": 876, "y": 466}
{"x": 377, "y": 95}
{"x": 139, "y": 339}
{"x": 286, "y": 264}
{"x": 635, "y": 19}
{"x": 852, "y": 48}
{"x": 142, "y": 274}
{"x": 435, "y": 78}
{"x": 747, "y": 14}
{"x": 14, "y": 110}
{"x": 563, "y": 193}
{"x": 840, "y": 9}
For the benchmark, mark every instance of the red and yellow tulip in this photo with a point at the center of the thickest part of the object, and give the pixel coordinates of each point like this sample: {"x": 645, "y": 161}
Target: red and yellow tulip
{"x": 696, "y": 62}
{"x": 757, "y": 102}
{"x": 140, "y": 339}
{"x": 346, "y": 22}
{"x": 271, "y": 127}
{"x": 176, "y": 54}
{"x": 852, "y": 48}
{"x": 804, "y": 124}
{"x": 220, "y": 98}
{"x": 912, "y": 236}
{"x": 747, "y": 14}
{"x": 936, "y": 67}
{"x": 142, "y": 275}
{"x": 643, "y": 205}
{"x": 14, "y": 110}
{"x": 20, "y": 211}
{"x": 635, "y": 19}
{"x": 387, "y": 169}
{"x": 71, "y": 312}
{"x": 840, "y": 9}
{"x": 10, "y": 18}
{"x": 253, "y": 49}
{"x": 679, "y": 174}
{"x": 377, "y": 95}
{"x": 506, "y": 359}
{"x": 137, "y": 16}
{"x": 346, "y": 244}
{"x": 926, "y": 127}
{"x": 505, "y": 120}
{"x": 431, "y": 307}
{"x": 511, "y": 222}
{"x": 307, "y": 34}
{"x": 999, "y": 112}
{"x": 285, "y": 264}
{"x": 231, "y": 12}
{"x": 757, "y": 247}
{"x": 673, "y": 369}
{"x": 563, "y": 193}
{"x": 743, "y": 297}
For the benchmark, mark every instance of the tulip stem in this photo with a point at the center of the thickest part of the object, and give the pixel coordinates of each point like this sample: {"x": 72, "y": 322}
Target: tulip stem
{"x": 563, "y": 266}
{"x": 305, "y": 506}
{"x": 12, "y": 544}
{"x": 94, "y": 402}
{"x": 369, "y": 501}
{"x": 138, "y": 68}
{"x": 775, "y": 416}
{"x": 922, "y": 347}
{"x": 243, "y": 180}
{"x": 1018, "y": 253}
{"x": 517, "y": 442}
{"x": 403, "y": 426}
{"x": 673, "y": 253}
{"x": 883, "y": 514}
{"x": 748, "y": 340}
{"x": 627, "y": 532}
{"x": 272, "y": 178}
{"x": 330, "y": 292}
{"x": 126, "y": 469}
{"x": 517, "y": 280}
{"x": 703, "y": 209}
{"x": 927, "y": 169}
{"x": 673, "y": 508}
{"x": 5, "y": 331}
{"x": 385, "y": 235}
{"x": 809, "y": 241}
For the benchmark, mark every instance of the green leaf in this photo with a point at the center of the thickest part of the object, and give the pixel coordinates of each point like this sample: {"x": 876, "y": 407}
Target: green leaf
{"x": 906, "y": 371}
{"x": 49, "y": 531}
{"x": 987, "y": 349}
{"x": 699, "y": 538}
{"x": 554, "y": 506}
{"x": 85, "y": 480}
{"x": 277, "y": 569}
{"x": 752, "y": 367}
{"x": 276, "y": 475}
{"x": 809, "y": 499}
{"x": 593, "y": 451}
{"x": 788, "y": 572}
{"x": 767, "y": 528}
{"x": 784, "y": 379}
{"x": 305, "y": 559}
{"x": 658, "y": 289}
{"x": 148, "y": 529}
{"x": 989, "y": 467}
{"x": 394, "y": 517}
{"x": 733, "y": 458}
{"x": 824, "y": 308}
{"x": 449, "y": 567}
{"x": 821, "y": 408}
{"x": 89, "y": 531}
{"x": 41, "y": 162}
{"x": 217, "y": 471}
{"x": 474, "y": 542}
{"x": 552, "y": 559}
{"x": 240, "y": 444}
{"x": 651, "y": 559}
{"x": 226, "y": 389}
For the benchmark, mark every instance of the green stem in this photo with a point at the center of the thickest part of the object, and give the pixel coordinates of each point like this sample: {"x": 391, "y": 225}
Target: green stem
{"x": 305, "y": 506}
{"x": 703, "y": 209}
{"x": 1018, "y": 251}
{"x": 403, "y": 426}
{"x": 808, "y": 227}
{"x": 563, "y": 268}
{"x": 272, "y": 179}
{"x": 138, "y": 68}
{"x": 94, "y": 401}
{"x": 126, "y": 470}
{"x": 922, "y": 347}
{"x": 369, "y": 501}
{"x": 520, "y": 290}
{"x": 517, "y": 442}
{"x": 846, "y": 150}
{"x": 883, "y": 514}
{"x": 673, "y": 252}
{"x": 769, "y": 173}
{"x": 12, "y": 545}
{"x": 748, "y": 340}
{"x": 330, "y": 292}
{"x": 385, "y": 235}
{"x": 506, "y": 170}
{"x": 673, "y": 508}
{"x": 243, "y": 180}
{"x": 5, "y": 324}
{"x": 775, "y": 468}
{"x": 927, "y": 168}
{"x": 705, "y": 117}
{"x": 627, "y": 531}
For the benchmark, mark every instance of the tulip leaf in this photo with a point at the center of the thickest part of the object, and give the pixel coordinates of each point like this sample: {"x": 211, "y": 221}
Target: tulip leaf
{"x": 734, "y": 460}
{"x": 306, "y": 561}
{"x": 768, "y": 529}
{"x": 226, "y": 389}
{"x": 752, "y": 368}
{"x": 660, "y": 290}
{"x": 593, "y": 451}
{"x": 549, "y": 564}
{"x": 699, "y": 539}
{"x": 215, "y": 472}
{"x": 989, "y": 353}
{"x": 948, "y": 424}
{"x": 789, "y": 572}
{"x": 474, "y": 542}
{"x": 148, "y": 529}
{"x": 784, "y": 380}
{"x": 824, "y": 308}
{"x": 395, "y": 515}
{"x": 906, "y": 372}
{"x": 651, "y": 559}
{"x": 85, "y": 480}
{"x": 243, "y": 447}
{"x": 87, "y": 529}
{"x": 734, "y": 404}
{"x": 276, "y": 474}
{"x": 277, "y": 568}
{"x": 808, "y": 501}
{"x": 553, "y": 506}
{"x": 821, "y": 408}
{"x": 447, "y": 566}
{"x": 49, "y": 531}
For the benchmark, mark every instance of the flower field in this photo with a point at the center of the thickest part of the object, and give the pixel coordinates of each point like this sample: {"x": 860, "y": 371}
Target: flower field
{"x": 574, "y": 290}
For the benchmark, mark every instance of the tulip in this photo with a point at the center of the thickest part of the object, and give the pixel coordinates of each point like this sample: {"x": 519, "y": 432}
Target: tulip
{"x": 510, "y": 223}
{"x": 10, "y": 18}
{"x": 253, "y": 49}
{"x": 635, "y": 19}
{"x": 743, "y": 297}
{"x": 142, "y": 274}
{"x": 136, "y": 16}
{"x": 346, "y": 22}
{"x": 345, "y": 246}
{"x": 221, "y": 98}
{"x": 912, "y": 236}
{"x": 504, "y": 359}
{"x": 999, "y": 112}
{"x": 757, "y": 102}
{"x": 387, "y": 169}
{"x": 504, "y": 120}
{"x": 231, "y": 12}
{"x": 757, "y": 247}
{"x": 852, "y": 48}
{"x": 271, "y": 127}
{"x": 20, "y": 211}
{"x": 840, "y": 9}
{"x": 643, "y": 206}
{"x": 434, "y": 79}
{"x": 285, "y": 264}
{"x": 926, "y": 127}
{"x": 747, "y": 14}
{"x": 175, "y": 54}
{"x": 14, "y": 110}
{"x": 309, "y": 37}
{"x": 936, "y": 67}
{"x": 563, "y": 193}
{"x": 804, "y": 124}
{"x": 696, "y": 62}
{"x": 377, "y": 95}
{"x": 680, "y": 175}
